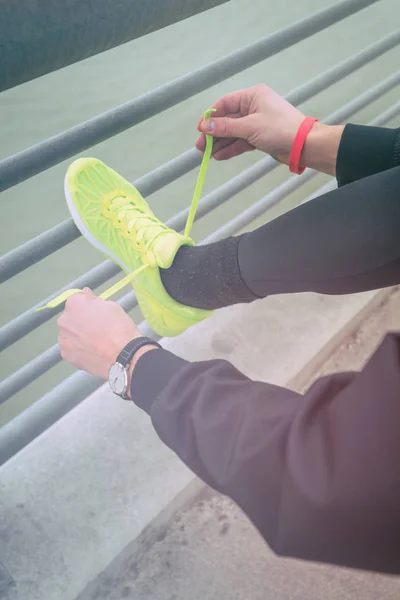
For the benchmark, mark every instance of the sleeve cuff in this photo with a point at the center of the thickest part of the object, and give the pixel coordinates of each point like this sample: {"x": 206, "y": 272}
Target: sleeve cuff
{"x": 366, "y": 150}
{"x": 151, "y": 375}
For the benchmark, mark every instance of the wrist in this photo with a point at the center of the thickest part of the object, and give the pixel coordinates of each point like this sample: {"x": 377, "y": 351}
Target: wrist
{"x": 134, "y": 362}
{"x": 321, "y": 148}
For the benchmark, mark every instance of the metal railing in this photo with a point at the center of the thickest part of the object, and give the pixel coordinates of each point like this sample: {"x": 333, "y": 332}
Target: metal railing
{"x": 68, "y": 394}
{"x": 37, "y": 38}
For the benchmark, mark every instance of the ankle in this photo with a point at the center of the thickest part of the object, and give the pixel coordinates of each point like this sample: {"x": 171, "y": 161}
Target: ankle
{"x": 207, "y": 277}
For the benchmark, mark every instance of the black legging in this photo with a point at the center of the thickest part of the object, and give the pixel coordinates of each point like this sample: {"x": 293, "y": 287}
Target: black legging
{"x": 345, "y": 241}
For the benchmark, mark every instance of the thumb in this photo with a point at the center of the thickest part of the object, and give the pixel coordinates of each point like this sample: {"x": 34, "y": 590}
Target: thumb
{"x": 227, "y": 127}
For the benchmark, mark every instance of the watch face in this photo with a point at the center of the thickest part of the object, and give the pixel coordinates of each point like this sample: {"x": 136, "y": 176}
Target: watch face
{"x": 118, "y": 379}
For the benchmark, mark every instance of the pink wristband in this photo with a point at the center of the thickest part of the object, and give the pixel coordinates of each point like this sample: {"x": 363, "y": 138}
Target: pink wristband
{"x": 298, "y": 145}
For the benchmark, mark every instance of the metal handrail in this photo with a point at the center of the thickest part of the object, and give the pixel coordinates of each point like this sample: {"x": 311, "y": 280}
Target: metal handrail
{"x": 30, "y": 320}
{"x": 57, "y": 237}
{"x": 67, "y": 34}
{"x": 48, "y": 242}
{"x": 42, "y": 156}
{"x": 66, "y": 396}
{"x": 48, "y": 359}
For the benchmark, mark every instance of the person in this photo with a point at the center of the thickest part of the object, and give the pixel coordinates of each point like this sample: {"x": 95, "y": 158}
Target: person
{"x": 317, "y": 473}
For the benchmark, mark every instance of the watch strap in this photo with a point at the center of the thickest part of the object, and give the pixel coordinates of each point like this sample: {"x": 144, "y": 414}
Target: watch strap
{"x": 124, "y": 358}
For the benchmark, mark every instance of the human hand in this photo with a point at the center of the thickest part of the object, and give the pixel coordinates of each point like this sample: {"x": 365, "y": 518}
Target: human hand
{"x": 255, "y": 118}
{"x": 92, "y": 332}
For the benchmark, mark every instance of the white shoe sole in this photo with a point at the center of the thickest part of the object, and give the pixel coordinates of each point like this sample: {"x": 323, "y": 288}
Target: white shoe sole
{"x": 85, "y": 231}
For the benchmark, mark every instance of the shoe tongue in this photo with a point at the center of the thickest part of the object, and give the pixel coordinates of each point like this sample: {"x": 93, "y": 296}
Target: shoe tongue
{"x": 166, "y": 247}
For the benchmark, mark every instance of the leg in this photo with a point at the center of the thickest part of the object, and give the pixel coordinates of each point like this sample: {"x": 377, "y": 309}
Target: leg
{"x": 344, "y": 242}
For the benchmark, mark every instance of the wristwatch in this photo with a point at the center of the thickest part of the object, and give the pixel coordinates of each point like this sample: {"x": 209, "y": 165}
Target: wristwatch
{"x": 118, "y": 373}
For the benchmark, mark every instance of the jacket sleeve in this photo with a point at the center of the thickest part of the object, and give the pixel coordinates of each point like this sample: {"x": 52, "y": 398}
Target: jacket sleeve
{"x": 317, "y": 474}
{"x": 365, "y": 150}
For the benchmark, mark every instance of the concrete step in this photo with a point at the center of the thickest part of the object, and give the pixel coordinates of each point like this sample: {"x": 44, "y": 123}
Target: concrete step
{"x": 72, "y": 501}
{"x": 208, "y": 550}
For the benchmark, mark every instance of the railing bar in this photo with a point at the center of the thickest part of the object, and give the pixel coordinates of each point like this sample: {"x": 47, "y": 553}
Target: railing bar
{"x": 42, "y": 156}
{"x": 257, "y": 209}
{"x": 57, "y": 237}
{"x": 338, "y": 72}
{"x": 226, "y": 191}
{"x": 329, "y": 187}
{"x": 48, "y": 242}
{"x": 41, "y": 415}
{"x": 31, "y": 319}
{"x": 19, "y": 432}
{"x": 170, "y": 171}
{"x": 365, "y": 99}
{"x": 74, "y": 30}
{"x": 386, "y": 116}
{"x": 237, "y": 184}
{"x": 31, "y": 252}
{"x": 29, "y": 372}
{"x": 48, "y": 359}
{"x": 383, "y": 118}
{"x": 260, "y": 207}
{"x": 268, "y": 201}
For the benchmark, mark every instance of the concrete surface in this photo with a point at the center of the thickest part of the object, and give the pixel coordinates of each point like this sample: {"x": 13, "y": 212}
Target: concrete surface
{"x": 78, "y": 495}
{"x": 209, "y": 551}
{"x": 358, "y": 347}
{"x": 5, "y": 579}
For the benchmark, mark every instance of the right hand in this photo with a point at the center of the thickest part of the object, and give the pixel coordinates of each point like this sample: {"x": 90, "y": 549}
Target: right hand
{"x": 92, "y": 332}
{"x": 255, "y": 118}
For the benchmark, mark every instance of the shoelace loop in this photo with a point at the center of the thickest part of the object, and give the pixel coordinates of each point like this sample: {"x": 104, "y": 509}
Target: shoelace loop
{"x": 129, "y": 217}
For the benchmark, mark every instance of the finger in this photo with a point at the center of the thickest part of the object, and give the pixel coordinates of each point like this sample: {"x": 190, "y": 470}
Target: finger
{"x": 63, "y": 347}
{"x": 75, "y": 301}
{"x": 218, "y": 143}
{"x": 201, "y": 140}
{"x": 201, "y": 143}
{"x": 235, "y": 105}
{"x": 235, "y": 102}
{"x": 234, "y": 115}
{"x": 62, "y": 338}
{"x": 236, "y": 148}
{"x": 227, "y": 127}
{"x": 221, "y": 143}
{"x": 87, "y": 291}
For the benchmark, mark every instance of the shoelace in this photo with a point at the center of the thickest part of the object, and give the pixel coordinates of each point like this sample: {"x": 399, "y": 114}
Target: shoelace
{"x": 128, "y": 213}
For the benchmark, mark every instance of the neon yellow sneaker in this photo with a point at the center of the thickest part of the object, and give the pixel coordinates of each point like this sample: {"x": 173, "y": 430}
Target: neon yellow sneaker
{"x": 113, "y": 216}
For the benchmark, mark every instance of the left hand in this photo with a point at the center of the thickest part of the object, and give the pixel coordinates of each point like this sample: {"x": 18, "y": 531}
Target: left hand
{"x": 93, "y": 332}
{"x": 257, "y": 118}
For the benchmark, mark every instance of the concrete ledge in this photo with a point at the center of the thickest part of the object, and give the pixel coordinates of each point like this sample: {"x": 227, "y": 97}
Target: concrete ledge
{"x": 208, "y": 550}
{"x": 72, "y": 500}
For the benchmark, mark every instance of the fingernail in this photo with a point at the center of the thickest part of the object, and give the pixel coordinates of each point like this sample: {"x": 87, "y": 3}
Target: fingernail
{"x": 209, "y": 125}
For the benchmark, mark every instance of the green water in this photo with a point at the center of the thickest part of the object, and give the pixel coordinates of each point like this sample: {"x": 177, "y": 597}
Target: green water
{"x": 36, "y": 110}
